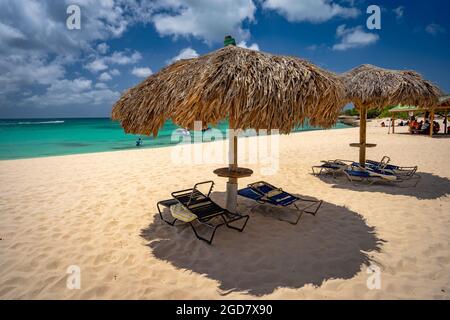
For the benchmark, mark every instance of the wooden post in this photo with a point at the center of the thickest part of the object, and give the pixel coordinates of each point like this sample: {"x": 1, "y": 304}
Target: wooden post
{"x": 362, "y": 135}
{"x": 393, "y": 122}
{"x": 232, "y": 184}
{"x": 431, "y": 123}
{"x": 445, "y": 121}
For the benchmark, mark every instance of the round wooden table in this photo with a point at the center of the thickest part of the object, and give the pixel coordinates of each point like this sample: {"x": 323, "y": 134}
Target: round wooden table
{"x": 367, "y": 145}
{"x": 236, "y": 174}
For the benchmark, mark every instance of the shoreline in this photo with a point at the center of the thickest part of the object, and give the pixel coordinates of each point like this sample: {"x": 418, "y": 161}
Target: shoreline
{"x": 133, "y": 148}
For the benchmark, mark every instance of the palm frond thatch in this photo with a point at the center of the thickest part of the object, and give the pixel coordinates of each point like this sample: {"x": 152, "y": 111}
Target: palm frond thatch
{"x": 256, "y": 90}
{"x": 375, "y": 87}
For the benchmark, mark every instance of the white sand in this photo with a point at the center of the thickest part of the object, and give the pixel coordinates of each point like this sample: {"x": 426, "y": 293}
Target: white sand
{"x": 98, "y": 211}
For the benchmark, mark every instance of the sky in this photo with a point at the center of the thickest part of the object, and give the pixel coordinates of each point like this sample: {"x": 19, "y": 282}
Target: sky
{"x": 51, "y": 70}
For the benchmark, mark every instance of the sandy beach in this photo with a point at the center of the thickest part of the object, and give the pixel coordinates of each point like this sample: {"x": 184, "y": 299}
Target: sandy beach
{"x": 98, "y": 211}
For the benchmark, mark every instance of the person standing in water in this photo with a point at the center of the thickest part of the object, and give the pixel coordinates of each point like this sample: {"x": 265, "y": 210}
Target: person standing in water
{"x": 139, "y": 142}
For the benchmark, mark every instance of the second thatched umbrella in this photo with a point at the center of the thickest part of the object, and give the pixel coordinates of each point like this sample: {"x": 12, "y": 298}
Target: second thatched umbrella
{"x": 252, "y": 89}
{"x": 370, "y": 87}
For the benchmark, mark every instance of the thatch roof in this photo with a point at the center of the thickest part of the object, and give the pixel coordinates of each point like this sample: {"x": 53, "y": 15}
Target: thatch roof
{"x": 376, "y": 87}
{"x": 444, "y": 100}
{"x": 257, "y": 90}
{"x": 402, "y": 108}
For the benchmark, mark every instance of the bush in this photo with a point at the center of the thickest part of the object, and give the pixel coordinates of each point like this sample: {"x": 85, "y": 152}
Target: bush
{"x": 376, "y": 113}
{"x": 370, "y": 114}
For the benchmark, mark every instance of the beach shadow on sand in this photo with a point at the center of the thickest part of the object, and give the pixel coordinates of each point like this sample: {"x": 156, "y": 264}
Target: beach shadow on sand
{"x": 429, "y": 187}
{"x": 270, "y": 254}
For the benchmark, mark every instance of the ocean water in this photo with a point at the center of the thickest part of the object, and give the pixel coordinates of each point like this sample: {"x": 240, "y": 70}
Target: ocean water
{"x": 29, "y": 138}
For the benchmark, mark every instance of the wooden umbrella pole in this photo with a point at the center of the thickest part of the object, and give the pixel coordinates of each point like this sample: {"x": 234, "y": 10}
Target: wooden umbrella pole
{"x": 393, "y": 123}
{"x": 232, "y": 184}
{"x": 362, "y": 134}
{"x": 431, "y": 123}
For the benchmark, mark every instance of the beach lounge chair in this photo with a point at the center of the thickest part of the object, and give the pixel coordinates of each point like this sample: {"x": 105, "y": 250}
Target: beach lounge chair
{"x": 265, "y": 193}
{"x": 338, "y": 166}
{"x": 333, "y": 167}
{"x": 357, "y": 173}
{"x": 195, "y": 208}
{"x": 403, "y": 172}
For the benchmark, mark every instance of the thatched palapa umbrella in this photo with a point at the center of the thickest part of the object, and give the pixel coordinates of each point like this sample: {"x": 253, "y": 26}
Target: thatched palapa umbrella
{"x": 371, "y": 87}
{"x": 252, "y": 89}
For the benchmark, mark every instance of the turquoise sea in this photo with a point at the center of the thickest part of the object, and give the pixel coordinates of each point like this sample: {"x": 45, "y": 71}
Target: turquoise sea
{"x": 29, "y": 138}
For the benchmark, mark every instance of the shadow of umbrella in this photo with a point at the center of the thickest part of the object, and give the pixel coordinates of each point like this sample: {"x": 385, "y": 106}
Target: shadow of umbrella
{"x": 271, "y": 254}
{"x": 429, "y": 187}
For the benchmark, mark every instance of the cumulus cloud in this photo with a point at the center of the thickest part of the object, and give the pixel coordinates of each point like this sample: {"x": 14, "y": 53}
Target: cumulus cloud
{"x": 36, "y": 46}
{"x": 186, "y": 53}
{"x": 105, "y": 76}
{"x": 399, "y": 12}
{"x": 102, "y": 48}
{"x": 71, "y": 93}
{"x": 435, "y": 29}
{"x": 101, "y": 85}
{"x": 310, "y": 10}
{"x": 353, "y": 38}
{"x": 253, "y": 46}
{"x": 141, "y": 72}
{"x": 17, "y": 72}
{"x": 118, "y": 57}
{"x": 10, "y": 33}
{"x": 204, "y": 19}
{"x": 96, "y": 65}
{"x": 42, "y": 23}
{"x": 122, "y": 58}
{"x": 114, "y": 72}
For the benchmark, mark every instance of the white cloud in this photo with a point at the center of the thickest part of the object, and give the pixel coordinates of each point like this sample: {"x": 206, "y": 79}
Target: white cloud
{"x": 102, "y": 48}
{"x": 101, "y": 85}
{"x": 73, "y": 92}
{"x": 141, "y": 72}
{"x": 36, "y": 46}
{"x": 204, "y": 19}
{"x": 399, "y": 12}
{"x": 120, "y": 57}
{"x": 9, "y": 33}
{"x": 253, "y": 46}
{"x": 105, "y": 76}
{"x": 114, "y": 72}
{"x": 353, "y": 38}
{"x": 117, "y": 57}
{"x": 96, "y": 65}
{"x": 310, "y": 10}
{"x": 434, "y": 29}
{"x": 18, "y": 72}
{"x": 43, "y": 23}
{"x": 186, "y": 53}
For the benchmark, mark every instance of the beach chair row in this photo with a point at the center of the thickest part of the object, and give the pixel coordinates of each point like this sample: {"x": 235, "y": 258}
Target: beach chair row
{"x": 196, "y": 208}
{"x": 372, "y": 171}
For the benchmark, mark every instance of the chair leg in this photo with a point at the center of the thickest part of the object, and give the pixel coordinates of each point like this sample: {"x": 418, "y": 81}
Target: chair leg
{"x": 315, "y": 202}
{"x": 300, "y": 213}
{"x": 239, "y": 217}
{"x": 208, "y": 241}
{"x": 162, "y": 218}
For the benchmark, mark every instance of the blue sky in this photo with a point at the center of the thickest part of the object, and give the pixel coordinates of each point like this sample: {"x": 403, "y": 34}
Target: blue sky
{"x": 47, "y": 70}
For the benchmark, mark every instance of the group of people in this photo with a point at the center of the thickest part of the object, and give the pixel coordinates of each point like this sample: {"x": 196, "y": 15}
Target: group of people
{"x": 423, "y": 127}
